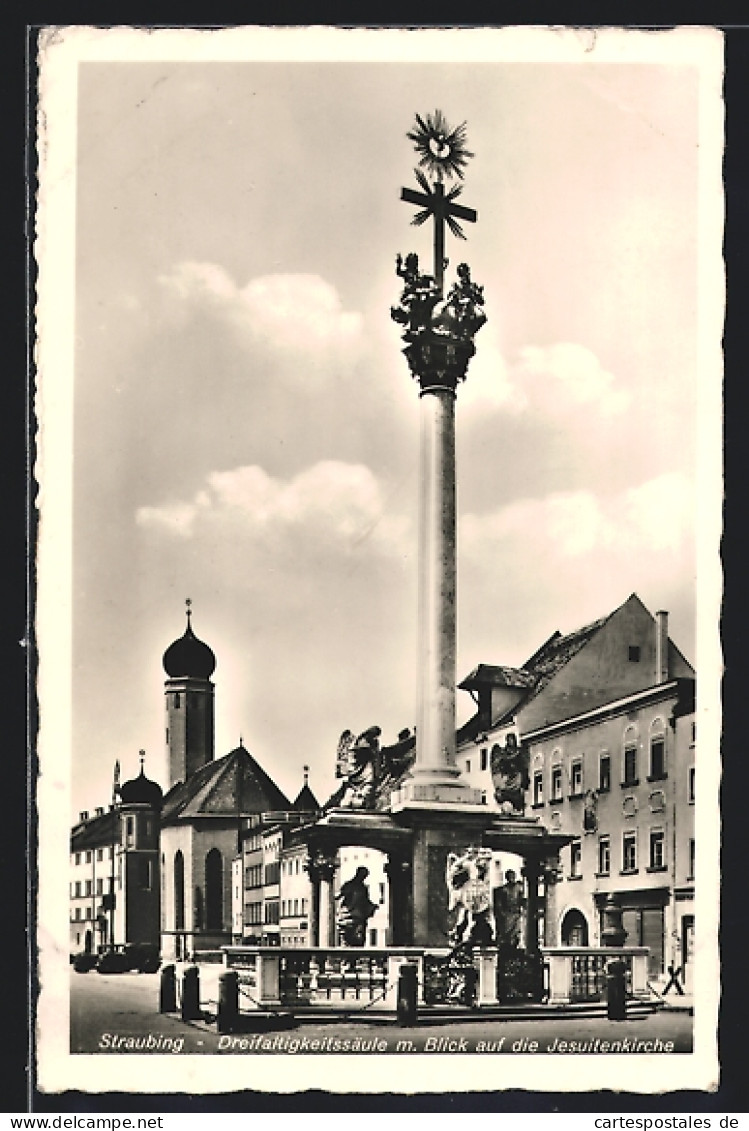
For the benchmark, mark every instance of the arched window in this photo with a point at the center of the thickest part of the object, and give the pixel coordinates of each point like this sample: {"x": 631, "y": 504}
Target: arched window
{"x": 574, "y": 929}
{"x": 179, "y": 891}
{"x": 214, "y": 891}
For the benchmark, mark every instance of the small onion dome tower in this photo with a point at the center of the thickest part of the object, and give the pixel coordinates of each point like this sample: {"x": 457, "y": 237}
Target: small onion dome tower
{"x": 189, "y": 665}
{"x": 137, "y": 900}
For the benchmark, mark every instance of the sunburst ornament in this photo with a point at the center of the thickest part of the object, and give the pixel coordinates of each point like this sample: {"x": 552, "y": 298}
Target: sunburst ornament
{"x": 442, "y": 150}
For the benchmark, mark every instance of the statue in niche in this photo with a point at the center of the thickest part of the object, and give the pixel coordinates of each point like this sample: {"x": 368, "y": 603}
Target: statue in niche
{"x": 590, "y": 811}
{"x": 509, "y": 768}
{"x": 361, "y": 768}
{"x": 469, "y": 897}
{"x": 509, "y": 902}
{"x": 355, "y": 909}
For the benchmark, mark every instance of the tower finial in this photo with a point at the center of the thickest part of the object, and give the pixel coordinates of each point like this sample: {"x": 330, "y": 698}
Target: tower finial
{"x": 306, "y": 774}
{"x": 188, "y": 603}
{"x": 142, "y": 756}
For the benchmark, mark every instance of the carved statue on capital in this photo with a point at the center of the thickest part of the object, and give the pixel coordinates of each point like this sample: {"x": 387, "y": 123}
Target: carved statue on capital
{"x": 321, "y": 865}
{"x": 422, "y": 311}
{"x": 509, "y": 768}
{"x": 358, "y": 762}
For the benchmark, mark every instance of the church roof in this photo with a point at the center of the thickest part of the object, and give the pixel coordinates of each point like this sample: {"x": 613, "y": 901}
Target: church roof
{"x": 305, "y": 801}
{"x": 232, "y": 786}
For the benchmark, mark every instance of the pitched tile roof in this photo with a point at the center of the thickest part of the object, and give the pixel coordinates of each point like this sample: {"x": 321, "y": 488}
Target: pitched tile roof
{"x": 235, "y": 785}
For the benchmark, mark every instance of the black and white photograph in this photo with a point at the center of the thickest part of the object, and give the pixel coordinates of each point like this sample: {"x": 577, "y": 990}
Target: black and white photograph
{"x": 379, "y": 406}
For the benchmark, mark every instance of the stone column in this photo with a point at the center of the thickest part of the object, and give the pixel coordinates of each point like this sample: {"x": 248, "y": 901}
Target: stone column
{"x": 531, "y": 872}
{"x": 321, "y": 869}
{"x": 552, "y": 875}
{"x": 438, "y": 364}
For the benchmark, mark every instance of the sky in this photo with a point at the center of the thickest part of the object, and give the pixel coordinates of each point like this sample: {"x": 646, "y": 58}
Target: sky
{"x": 245, "y": 426}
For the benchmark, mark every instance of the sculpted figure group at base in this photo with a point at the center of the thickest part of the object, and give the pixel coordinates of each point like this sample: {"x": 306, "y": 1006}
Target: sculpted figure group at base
{"x": 420, "y": 309}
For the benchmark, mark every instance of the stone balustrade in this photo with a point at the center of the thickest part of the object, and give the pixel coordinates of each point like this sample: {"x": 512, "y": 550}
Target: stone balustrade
{"x": 578, "y": 973}
{"x": 340, "y": 976}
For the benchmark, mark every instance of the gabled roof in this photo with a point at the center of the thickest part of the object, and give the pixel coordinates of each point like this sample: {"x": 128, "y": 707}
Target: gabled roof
{"x": 558, "y": 651}
{"x": 94, "y": 833}
{"x": 496, "y": 675}
{"x": 232, "y": 786}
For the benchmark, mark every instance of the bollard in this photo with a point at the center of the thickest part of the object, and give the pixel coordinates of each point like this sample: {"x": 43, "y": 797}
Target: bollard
{"x": 407, "y": 991}
{"x": 168, "y": 990}
{"x": 616, "y": 990}
{"x": 191, "y": 994}
{"x": 228, "y": 1002}
{"x": 470, "y": 986}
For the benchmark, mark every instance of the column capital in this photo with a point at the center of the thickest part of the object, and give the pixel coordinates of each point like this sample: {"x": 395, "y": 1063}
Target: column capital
{"x": 321, "y": 865}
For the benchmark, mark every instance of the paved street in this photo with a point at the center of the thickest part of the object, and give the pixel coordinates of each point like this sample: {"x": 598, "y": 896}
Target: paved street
{"x": 119, "y": 1013}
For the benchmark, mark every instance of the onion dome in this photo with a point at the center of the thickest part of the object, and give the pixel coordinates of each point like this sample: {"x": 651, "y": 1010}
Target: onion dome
{"x": 188, "y": 657}
{"x": 141, "y": 790}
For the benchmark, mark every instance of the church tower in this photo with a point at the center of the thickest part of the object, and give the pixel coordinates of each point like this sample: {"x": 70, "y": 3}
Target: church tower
{"x": 189, "y": 665}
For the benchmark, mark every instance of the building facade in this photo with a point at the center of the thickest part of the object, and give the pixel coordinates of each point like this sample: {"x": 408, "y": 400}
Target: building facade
{"x": 605, "y": 718}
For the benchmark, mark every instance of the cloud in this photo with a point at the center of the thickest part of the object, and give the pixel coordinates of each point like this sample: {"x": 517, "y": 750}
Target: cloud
{"x": 330, "y": 506}
{"x": 523, "y": 565}
{"x": 565, "y": 377}
{"x": 289, "y": 314}
{"x": 655, "y": 516}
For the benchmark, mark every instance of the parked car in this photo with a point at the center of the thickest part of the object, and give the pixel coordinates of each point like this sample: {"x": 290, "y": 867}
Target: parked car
{"x": 143, "y": 957}
{"x": 84, "y": 962}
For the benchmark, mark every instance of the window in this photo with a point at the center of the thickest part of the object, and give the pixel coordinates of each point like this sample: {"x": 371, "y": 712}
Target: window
{"x": 304, "y": 906}
{"x": 78, "y": 889}
{"x": 100, "y": 887}
{"x": 657, "y": 758}
{"x": 690, "y": 875}
{"x": 382, "y": 893}
{"x": 604, "y": 773}
{"x": 576, "y": 855}
{"x": 88, "y": 857}
{"x": 604, "y": 855}
{"x": 296, "y": 866}
{"x": 556, "y": 783}
{"x": 130, "y": 830}
{"x": 484, "y": 758}
{"x": 296, "y": 906}
{"x": 111, "y": 852}
{"x": 657, "y": 850}
{"x": 77, "y": 857}
{"x": 633, "y": 653}
{"x": 468, "y": 765}
{"x": 576, "y": 778}
{"x": 89, "y": 887}
{"x": 214, "y": 891}
{"x": 78, "y": 913}
{"x": 373, "y": 936}
{"x": 630, "y": 765}
{"x": 691, "y": 785}
{"x": 100, "y": 854}
{"x": 538, "y": 788}
{"x": 629, "y": 852}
